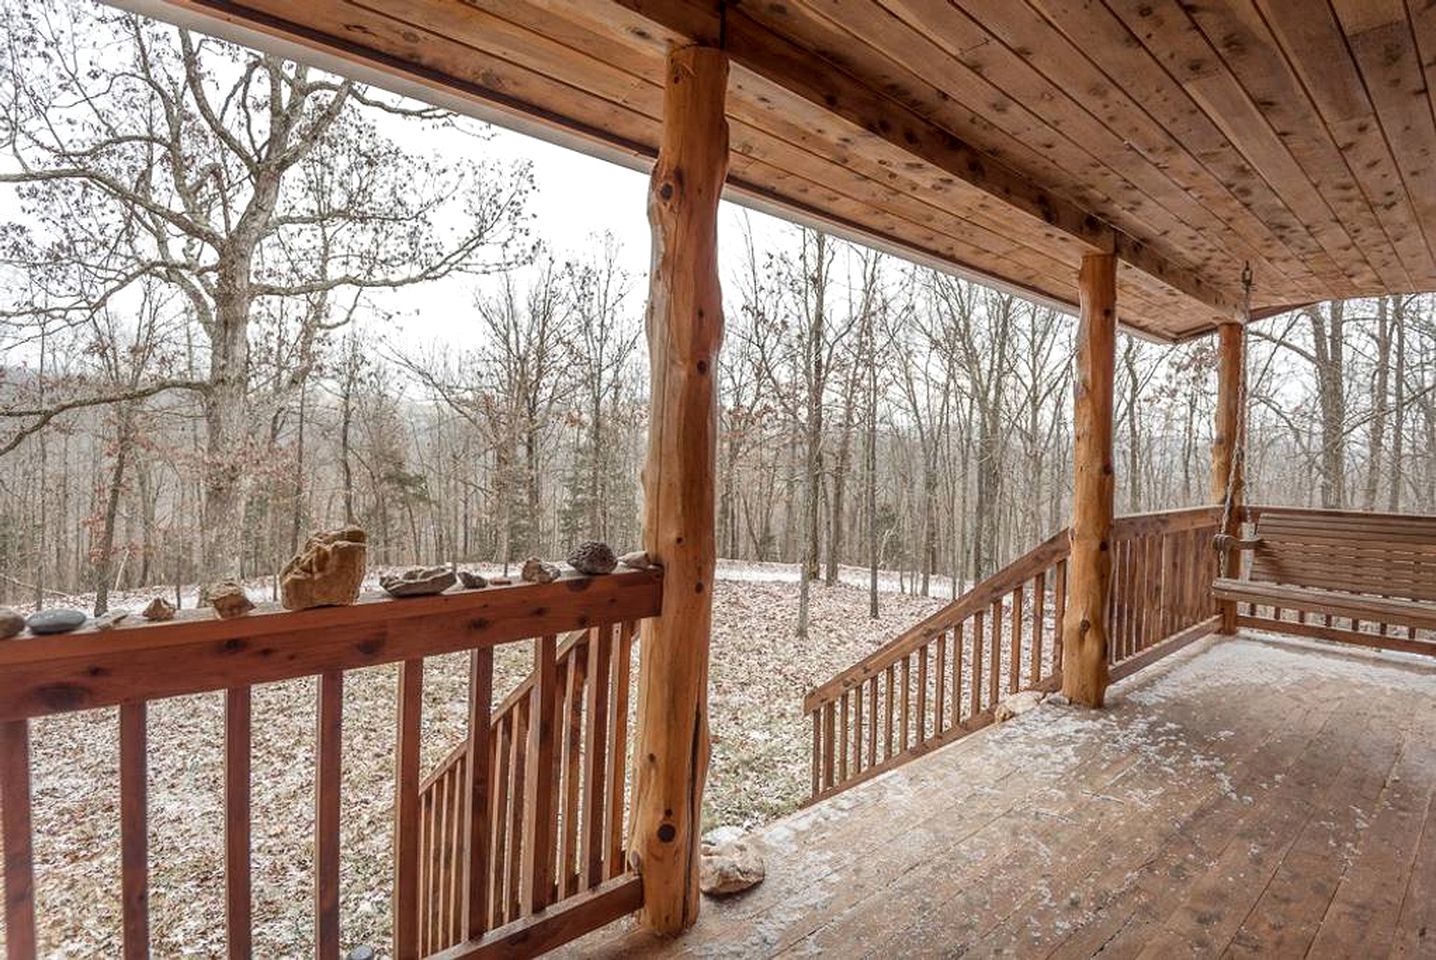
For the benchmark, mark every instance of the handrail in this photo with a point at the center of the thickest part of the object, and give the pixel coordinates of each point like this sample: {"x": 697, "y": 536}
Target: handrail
{"x": 943, "y": 677}
{"x": 42, "y": 675}
{"x": 527, "y": 807}
{"x": 980, "y": 597}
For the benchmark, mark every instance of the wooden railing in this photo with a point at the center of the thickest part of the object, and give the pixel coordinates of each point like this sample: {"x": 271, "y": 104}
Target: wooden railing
{"x": 942, "y": 679}
{"x": 516, "y": 809}
{"x": 582, "y": 764}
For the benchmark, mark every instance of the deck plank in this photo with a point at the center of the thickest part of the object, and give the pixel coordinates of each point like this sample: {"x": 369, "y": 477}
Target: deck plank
{"x": 1247, "y": 796}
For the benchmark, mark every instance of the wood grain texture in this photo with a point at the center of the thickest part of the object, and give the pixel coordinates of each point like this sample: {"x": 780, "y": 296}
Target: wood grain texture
{"x": 327, "y": 785}
{"x": 238, "y": 898}
{"x": 17, "y": 836}
{"x": 685, "y": 331}
{"x": 1085, "y": 636}
{"x": 87, "y": 669}
{"x": 406, "y": 810}
{"x": 134, "y": 831}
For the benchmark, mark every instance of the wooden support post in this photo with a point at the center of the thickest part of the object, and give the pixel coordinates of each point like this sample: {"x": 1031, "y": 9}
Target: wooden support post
{"x": 1227, "y": 466}
{"x": 1084, "y": 630}
{"x": 685, "y": 330}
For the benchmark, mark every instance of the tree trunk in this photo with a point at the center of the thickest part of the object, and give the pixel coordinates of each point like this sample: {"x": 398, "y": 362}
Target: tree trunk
{"x": 105, "y": 549}
{"x": 685, "y": 331}
{"x": 1084, "y": 648}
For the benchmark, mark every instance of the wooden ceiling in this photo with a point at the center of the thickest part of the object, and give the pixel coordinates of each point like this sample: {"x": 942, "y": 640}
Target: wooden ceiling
{"x": 998, "y": 138}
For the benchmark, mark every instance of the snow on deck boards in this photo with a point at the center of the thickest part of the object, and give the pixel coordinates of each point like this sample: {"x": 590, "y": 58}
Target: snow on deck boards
{"x": 1248, "y": 797}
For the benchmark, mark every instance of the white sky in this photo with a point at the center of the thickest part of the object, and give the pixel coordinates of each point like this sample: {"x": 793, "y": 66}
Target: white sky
{"x": 576, "y": 198}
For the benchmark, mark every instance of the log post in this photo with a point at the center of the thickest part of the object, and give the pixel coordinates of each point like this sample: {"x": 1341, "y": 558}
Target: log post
{"x": 1227, "y": 465}
{"x": 1089, "y": 575}
{"x": 685, "y": 330}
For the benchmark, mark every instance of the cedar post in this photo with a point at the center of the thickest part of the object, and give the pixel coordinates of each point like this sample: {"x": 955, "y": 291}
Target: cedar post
{"x": 1089, "y": 575}
{"x": 685, "y": 330}
{"x": 1227, "y": 466}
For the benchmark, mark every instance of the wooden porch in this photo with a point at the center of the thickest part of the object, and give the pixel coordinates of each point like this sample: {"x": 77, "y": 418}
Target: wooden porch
{"x": 1250, "y": 796}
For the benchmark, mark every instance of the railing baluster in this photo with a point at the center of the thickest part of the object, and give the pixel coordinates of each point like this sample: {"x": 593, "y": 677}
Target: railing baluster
{"x": 329, "y": 736}
{"x": 478, "y": 845}
{"x": 888, "y": 713}
{"x": 843, "y": 737}
{"x": 1039, "y": 626}
{"x": 994, "y": 674}
{"x": 518, "y": 786}
{"x": 237, "y": 899}
{"x": 406, "y": 811}
{"x": 16, "y": 833}
{"x": 1014, "y": 665}
{"x": 978, "y": 634}
{"x": 134, "y": 831}
{"x": 618, "y": 750}
{"x": 939, "y": 672}
{"x": 572, "y": 677}
{"x": 957, "y": 655}
{"x": 817, "y": 718}
{"x": 922, "y": 694}
{"x": 453, "y": 840}
{"x": 872, "y": 684}
{"x": 600, "y": 659}
{"x": 858, "y": 729}
{"x": 829, "y": 734}
{"x": 540, "y": 824}
{"x": 904, "y": 714}
{"x": 1059, "y": 614}
{"x": 499, "y": 813}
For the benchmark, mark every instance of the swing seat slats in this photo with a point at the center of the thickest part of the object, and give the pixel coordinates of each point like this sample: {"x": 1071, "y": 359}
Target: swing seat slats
{"x": 1366, "y": 567}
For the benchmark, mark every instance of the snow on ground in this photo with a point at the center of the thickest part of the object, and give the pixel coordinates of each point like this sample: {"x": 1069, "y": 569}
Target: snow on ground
{"x": 759, "y": 770}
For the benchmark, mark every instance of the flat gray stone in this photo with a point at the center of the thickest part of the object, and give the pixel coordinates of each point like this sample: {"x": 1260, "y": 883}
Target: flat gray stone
{"x": 59, "y": 620}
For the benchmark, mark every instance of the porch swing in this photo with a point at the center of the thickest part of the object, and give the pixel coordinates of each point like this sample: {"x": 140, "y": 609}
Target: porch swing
{"x": 1373, "y": 567}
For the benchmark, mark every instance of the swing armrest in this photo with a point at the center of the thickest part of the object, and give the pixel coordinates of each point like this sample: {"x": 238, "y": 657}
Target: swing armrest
{"x": 1225, "y": 541}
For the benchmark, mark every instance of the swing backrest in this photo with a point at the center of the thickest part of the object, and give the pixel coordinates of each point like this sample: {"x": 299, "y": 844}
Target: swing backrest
{"x": 1381, "y": 554}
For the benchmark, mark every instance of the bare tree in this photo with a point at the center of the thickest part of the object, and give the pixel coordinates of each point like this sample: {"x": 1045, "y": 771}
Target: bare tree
{"x": 264, "y": 193}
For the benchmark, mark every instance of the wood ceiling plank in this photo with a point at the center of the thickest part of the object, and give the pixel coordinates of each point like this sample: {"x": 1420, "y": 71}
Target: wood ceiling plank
{"x": 769, "y": 121}
{"x": 1393, "y": 243}
{"x": 754, "y": 47}
{"x": 1051, "y": 53}
{"x": 1318, "y": 53}
{"x": 985, "y": 103}
{"x": 480, "y": 30}
{"x": 1091, "y": 27}
{"x": 1385, "y": 50}
{"x": 1174, "y": 41}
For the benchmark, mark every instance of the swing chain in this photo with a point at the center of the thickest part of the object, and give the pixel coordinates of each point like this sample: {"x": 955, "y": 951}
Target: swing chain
{"x": 1238, "y": 456}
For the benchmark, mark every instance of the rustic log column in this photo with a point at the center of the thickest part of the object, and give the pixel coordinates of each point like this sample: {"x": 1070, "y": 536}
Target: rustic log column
{"x": 1227, "y": 465}
{"x": 685, "y": 330}
{"x": 1084, "y": 628}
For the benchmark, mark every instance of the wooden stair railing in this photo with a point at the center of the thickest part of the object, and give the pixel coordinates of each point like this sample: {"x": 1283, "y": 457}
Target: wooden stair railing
{"x": 942, "y": 679}
{"x": 548, "y": 874}
{"x": 587, "y": 776}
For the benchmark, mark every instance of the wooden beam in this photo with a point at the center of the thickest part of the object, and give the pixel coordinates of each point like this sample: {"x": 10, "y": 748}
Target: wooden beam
{"x": 685, "y": 331}
{"x": 1228, "y": 470}
{"x": 806, "y": 74}
{"x": 1084, "y": 628}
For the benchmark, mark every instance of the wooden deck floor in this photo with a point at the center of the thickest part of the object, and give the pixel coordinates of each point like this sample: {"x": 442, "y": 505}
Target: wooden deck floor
{"x": 1251, "y": 797}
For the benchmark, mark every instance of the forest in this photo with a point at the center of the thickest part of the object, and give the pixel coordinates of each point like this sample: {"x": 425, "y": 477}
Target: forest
{"x": 200, "y": 365}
